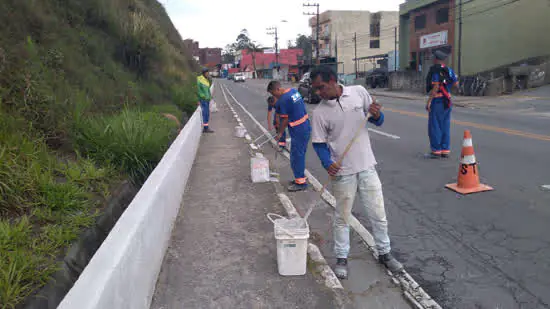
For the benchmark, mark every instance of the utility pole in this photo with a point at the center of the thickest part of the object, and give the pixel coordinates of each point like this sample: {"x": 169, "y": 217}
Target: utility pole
{"x": 317, "y": 60}
{"x": 395, "y": 50}
{"x": 355, "y": 48}
{"x": 276, "y": 45}
{"x": 459, "y": 38}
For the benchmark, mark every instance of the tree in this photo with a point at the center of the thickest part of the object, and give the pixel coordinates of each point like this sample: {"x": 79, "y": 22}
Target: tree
{"x": 304, "y": 43}
{"x": 290, "y": 44}
{"x": 228, "y": 54}
{"x": 244, "y": 42}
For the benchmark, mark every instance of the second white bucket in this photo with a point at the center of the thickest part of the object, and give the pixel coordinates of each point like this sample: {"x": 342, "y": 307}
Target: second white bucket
{"x": 292, "y": 238}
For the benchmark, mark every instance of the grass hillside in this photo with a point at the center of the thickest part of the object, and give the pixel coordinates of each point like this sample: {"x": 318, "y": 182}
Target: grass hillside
{"x": 83, "y": 84}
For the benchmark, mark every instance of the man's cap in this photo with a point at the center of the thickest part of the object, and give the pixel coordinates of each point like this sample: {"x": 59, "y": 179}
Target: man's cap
{"x": 204, "y": 70}
{"x": 440, "y": 55}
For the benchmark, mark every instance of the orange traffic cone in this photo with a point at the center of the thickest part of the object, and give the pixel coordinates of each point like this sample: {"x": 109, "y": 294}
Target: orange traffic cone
{"x": 468, "y": 171}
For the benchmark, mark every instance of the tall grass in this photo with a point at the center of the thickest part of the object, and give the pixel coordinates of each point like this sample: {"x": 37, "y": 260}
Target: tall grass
{"x": 67, "y": 71}
{"x": 132, "y": 140}
{"x": 44, "y": 203}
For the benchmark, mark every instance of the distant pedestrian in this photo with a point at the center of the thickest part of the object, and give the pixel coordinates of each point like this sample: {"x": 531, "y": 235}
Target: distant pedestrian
{"x": 272, "y": 114}
{"x": 203, "y": 84}
{"x": 439, "y": 81}
{"x": 335, "y": 122}
{"x": 292, "y": 111}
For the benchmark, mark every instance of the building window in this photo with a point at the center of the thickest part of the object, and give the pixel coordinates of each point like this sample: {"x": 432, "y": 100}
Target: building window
{"x": 420, "y": 22}
{"x": 375, "y": 30}
{"x": 374, "y": 43}
{"x": 442, "y": 16}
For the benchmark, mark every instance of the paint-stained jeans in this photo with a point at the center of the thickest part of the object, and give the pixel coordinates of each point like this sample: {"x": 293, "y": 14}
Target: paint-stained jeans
{"x": 369, "y": 187}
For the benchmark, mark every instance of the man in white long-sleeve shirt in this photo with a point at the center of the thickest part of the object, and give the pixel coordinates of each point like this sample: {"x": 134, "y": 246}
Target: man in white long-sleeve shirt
{"x": 340, "y": 114}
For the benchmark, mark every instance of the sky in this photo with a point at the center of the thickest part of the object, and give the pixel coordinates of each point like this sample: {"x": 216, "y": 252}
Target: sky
{"x": 216, "y": 23}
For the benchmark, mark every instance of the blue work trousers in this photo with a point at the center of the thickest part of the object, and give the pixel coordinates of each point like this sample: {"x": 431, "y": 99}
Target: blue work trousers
{"x": 439, "y": 126}
{"x": 300, "y": 139}
{"x": 205, "y": 109}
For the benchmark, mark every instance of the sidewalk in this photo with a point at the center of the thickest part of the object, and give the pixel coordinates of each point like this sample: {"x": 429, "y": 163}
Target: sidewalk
{"x": 222, "y": 253}
{"x": 470, "y": 101}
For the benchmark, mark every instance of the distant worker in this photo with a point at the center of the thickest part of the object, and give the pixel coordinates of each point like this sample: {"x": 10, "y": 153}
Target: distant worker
{"x": 203, "y": 84}
{"x": 276, "y": 120}
{"x": 439, "y": 81}
{"x": 292, "y": 111}
{"x": 335, "y": 123}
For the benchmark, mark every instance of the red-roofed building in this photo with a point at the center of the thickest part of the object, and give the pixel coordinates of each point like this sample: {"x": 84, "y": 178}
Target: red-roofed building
{"x": 266, "y": 65}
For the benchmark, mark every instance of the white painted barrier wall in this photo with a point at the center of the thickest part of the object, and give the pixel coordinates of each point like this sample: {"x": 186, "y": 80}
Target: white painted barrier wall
{"x": 123, "y": 272}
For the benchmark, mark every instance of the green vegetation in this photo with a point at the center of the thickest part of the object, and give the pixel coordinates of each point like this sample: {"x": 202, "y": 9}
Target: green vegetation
{"x": 83, "y": 84}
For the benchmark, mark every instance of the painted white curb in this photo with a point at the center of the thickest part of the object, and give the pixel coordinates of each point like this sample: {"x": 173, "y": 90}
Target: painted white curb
{"x": 411, "y": 289}
{"x": 124, "y": 270}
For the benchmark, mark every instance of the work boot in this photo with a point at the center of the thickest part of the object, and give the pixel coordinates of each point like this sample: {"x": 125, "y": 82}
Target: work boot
{"x": 341, "y": 268}
{"x": 294, "y": 187}
{"x": 390, "y": 262}
{"x": 207, "y": 130}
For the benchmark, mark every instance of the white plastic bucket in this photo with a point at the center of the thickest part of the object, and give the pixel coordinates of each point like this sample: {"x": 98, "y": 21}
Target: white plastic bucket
{"x": 240, "y": 131}
{"x": 292, "y": 237}
{"x": 259, "y": 169}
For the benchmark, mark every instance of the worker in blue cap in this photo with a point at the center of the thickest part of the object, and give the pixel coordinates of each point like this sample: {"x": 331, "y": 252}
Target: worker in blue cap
{"x": 439, "y": 81}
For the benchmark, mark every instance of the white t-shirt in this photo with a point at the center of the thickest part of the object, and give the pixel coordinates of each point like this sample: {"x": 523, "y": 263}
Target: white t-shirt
{"x": 335, "y": 122}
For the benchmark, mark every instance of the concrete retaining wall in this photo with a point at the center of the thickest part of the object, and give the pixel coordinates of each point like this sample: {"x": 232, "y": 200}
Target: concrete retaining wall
{"x": 408, "y": 81}
{"x": 123, "y": 272}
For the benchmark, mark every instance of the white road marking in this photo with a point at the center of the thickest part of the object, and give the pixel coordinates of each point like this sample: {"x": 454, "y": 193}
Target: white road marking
{"x": 384, "y": 133}
{"x": 546, "y": 187}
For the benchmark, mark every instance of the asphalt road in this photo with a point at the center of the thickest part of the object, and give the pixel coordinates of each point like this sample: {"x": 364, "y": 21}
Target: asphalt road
{"x": 486, "y": 250}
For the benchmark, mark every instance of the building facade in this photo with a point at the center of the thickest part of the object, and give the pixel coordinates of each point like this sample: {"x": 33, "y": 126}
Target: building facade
{"x": 210, "y": 56}
{"x": 494, "y": 35}
{"x": 375, "y": 33}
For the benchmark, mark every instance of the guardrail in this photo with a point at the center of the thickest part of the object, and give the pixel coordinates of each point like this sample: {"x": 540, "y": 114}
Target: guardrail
{"x": 124, "y": 270}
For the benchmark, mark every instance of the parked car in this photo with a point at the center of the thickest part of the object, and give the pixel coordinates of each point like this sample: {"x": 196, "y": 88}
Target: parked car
{"x": 239, "y": 77}
{"x": 304, "y": 88}
{"x": 377, "y": 78}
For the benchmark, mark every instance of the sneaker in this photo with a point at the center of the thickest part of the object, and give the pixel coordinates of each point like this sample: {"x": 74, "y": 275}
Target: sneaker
{"x": 294, "y": 187}
{"x": 207, "y": 130}
{"x": 444, "y": 155}
{"x": 390, "y": 262}
{"x": 341, "y": 268}
{"x": 434, "y": 155}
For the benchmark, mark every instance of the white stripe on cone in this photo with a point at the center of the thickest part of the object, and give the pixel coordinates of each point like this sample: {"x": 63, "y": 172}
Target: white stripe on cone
{"x": 471, "y": 159}
{"x": 467, "y": 142}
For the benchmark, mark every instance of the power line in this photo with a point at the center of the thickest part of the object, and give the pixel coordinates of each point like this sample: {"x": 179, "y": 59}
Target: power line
{"x": 389, "y": 28}
{"x": 348, "y": 42}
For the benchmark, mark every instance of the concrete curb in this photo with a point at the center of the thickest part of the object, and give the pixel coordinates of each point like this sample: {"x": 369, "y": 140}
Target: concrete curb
{"x": 124, "y": 270}
{"x": 321, "y": 265}
{"x": 411, "y": 289}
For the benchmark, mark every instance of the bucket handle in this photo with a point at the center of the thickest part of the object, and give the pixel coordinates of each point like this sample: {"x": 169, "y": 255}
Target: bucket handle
{"x": 269, "y": 215}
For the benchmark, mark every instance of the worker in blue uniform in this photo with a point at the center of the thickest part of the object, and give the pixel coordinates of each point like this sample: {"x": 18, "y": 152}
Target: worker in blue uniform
{"x": 440, "y": 80}
{"x": 293, "y": 114}
{"x": 271, "y": 113}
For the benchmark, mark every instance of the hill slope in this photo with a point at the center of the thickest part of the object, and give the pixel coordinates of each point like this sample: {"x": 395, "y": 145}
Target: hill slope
{"x": 82, "y": 85}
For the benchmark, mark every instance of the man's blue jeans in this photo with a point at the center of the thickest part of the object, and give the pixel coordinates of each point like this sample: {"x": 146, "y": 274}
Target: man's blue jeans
{"x": 205, "y": 109}
{"x": 369, "y": 187}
